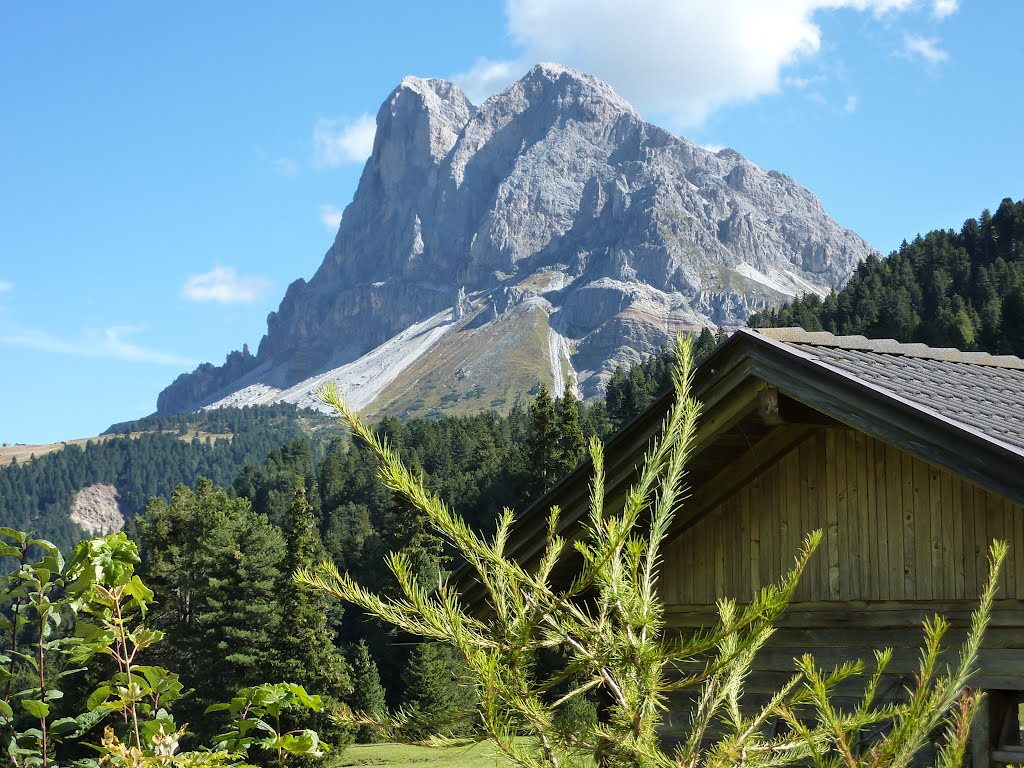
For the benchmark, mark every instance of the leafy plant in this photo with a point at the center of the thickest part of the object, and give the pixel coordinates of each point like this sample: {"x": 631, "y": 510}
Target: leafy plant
{"x": 33, "y": 594}
{"x": 98, "y": 594}
{"x": 257, "y": 717}
{"x": 609, "y": 624}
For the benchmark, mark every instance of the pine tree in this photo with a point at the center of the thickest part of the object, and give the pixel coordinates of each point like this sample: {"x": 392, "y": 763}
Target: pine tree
{"x": 437, "y": 692}
{"x": 368, "y": 694}
{"x": 569, "y": 442}
{"x": 306, "y": 649}
{"x": 215, "y": 569}
{"x": 307, "y": 654}
{"x": 542, "y": 443}
{"x": 704, "y": 345}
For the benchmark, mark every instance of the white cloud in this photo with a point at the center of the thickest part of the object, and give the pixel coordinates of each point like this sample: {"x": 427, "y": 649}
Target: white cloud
{"x": 331, "y": 217}
{"x": 110, "y": 344}
{"x": 5, "y": 286}
{"x": 225, "y": 286}
{"x": 716, "y": 148}
{"x": 680, "y": 59}
{"x": 487, "y": 77}
{"x": 851, "y": 104}
{"x": 926, "y": 48}
{"x": 943, "y": 8}
{"x": 337, "y": 141}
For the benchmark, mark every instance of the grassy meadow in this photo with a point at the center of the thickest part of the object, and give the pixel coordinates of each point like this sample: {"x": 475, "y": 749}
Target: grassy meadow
{"x": 405, "y": 756}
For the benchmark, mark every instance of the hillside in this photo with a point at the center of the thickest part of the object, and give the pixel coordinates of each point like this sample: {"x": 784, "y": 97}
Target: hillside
{"x": 135, "y": 461}
{"x": 962, "y": 289}
{"x": 549, "y": 233}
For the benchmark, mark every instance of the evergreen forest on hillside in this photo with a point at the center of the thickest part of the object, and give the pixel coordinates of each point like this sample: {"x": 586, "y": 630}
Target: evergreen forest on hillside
{"x": 145, "y": 458}
{"x": 961, "y": 289}
{"x": 150, "y": 457}
{"x": 219, "y": 552}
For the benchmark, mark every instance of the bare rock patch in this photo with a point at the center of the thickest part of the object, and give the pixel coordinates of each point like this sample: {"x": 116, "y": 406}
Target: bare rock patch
{"x": 95, "y": 510}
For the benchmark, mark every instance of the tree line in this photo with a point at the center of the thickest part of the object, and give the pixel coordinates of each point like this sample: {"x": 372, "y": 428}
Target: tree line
{"x": 962, "y": 289}
{"x": 146, "y": 458}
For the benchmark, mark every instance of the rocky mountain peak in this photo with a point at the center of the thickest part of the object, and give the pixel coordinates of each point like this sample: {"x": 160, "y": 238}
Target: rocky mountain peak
{"x": 552, "y": 218}
{"x": 566, "y": 85}
{"x": 430, "y": 111}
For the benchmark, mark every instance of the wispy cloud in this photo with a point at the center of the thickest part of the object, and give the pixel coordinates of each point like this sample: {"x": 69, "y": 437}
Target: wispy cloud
{"x": 852, "y": 102}
{"x": 802, "y": 83}
{"x": 943, "y": 8}
{"x": 5, "y": 286}
{"x": 225, "y": 286}
{"x": 716, "y": 148}
{"x": 926, "y": 48}
{"x": 281, "y": 165}
{"x": 338, "y": 141}
{"x": 331, "y": 216}
{"x": 109, "y": 343}
{"x": 285, "y": 166}
{"x": 487, "y": 77}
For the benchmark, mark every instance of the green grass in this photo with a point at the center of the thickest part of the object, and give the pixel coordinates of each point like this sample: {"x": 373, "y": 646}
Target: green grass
{"x": 404, "y": 756}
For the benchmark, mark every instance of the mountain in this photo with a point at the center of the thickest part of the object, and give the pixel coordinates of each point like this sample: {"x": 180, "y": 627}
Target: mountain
{"x": 549, "y": 233}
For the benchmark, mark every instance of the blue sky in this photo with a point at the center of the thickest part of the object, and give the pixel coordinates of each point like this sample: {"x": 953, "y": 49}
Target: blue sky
{"x": 168, "y": 168}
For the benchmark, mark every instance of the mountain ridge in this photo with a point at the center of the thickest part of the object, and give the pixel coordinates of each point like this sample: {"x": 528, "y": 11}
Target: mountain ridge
{"x": 553, "y": 211}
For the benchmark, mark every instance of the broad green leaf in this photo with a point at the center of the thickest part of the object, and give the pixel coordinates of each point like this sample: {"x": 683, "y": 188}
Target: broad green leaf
{"x": 10, "y": 533}
{"x": 54, "y": 559}
{"x": 87, "y": 720}
{"x": 98, "y": 696}
{"x": 27, "y": 657}
{"x": 304, "y": 743}
{"x": 63, "y": 726}
{"x": 35, "y": 708}
{"x": 65, "y": 673}
{"x": 145, "y": 637}
{"x": 5, "y": 709}
{"x": 310, "y": 702}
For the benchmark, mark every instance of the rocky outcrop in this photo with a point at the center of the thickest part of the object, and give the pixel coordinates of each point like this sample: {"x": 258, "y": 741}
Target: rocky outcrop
{"x": 95, "y": 510}
{"x": 636, "y": 232}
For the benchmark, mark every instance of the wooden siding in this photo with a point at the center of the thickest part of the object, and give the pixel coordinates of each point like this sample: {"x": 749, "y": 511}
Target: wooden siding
{"x": 895, "y": 529}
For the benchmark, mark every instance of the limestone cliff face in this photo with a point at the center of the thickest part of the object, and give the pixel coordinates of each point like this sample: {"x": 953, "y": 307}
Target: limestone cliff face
{"x": 554, "y": 192}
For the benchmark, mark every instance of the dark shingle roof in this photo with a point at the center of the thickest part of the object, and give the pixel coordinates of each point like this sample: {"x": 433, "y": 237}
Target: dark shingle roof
{"x": 982, "y": 391}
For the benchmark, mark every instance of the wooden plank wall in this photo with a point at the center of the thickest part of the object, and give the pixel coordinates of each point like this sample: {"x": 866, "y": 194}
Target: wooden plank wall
{"x": 895, "y": 529}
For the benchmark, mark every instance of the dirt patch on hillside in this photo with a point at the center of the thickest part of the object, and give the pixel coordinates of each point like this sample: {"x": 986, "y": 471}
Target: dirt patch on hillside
{"x": 95, "y": 510}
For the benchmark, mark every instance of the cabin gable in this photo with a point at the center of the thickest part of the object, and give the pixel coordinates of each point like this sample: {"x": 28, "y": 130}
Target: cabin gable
{"x": 895, "y": 528}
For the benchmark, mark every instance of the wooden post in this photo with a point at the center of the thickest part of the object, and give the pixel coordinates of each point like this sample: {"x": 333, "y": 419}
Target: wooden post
{"x": 981, "y": 737}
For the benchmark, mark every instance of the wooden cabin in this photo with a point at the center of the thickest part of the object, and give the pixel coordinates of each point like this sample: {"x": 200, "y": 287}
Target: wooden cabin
{"x": 910, "y": 459}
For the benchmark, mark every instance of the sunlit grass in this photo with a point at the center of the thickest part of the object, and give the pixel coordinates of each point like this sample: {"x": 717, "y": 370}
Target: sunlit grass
{"x": 482, "y": 755}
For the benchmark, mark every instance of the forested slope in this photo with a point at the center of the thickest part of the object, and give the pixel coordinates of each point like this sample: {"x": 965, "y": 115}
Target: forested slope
{"x": 144, "y": 458}
{"x": 477, "y": 462}
{"x": 962, "y": 289}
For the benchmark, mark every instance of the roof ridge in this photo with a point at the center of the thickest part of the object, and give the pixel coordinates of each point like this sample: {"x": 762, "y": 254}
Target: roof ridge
{"x": 797, "y": 335}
